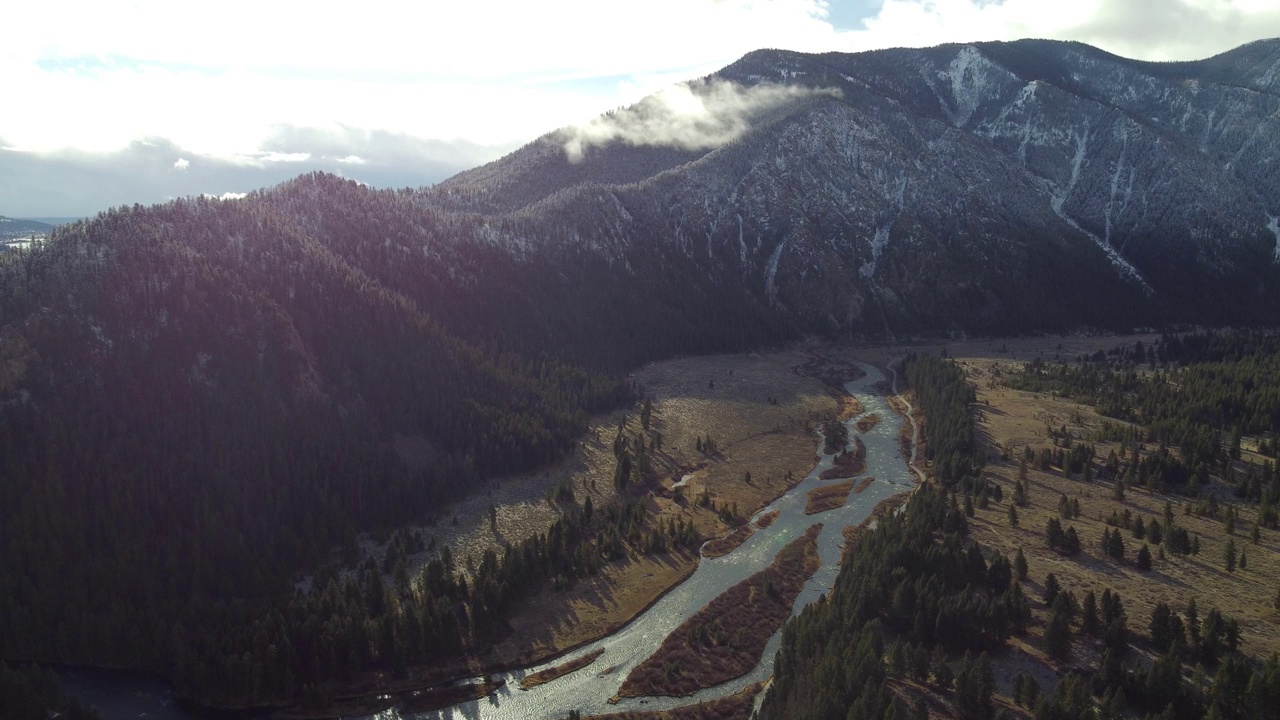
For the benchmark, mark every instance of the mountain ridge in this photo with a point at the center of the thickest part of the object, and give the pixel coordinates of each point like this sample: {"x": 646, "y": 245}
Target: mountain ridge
{"x": 1091, "y": 129}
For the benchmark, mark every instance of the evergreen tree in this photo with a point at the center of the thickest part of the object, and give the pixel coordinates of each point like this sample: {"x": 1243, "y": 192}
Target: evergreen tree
{"x": 1051, "y": 589}
{"x": 1057, "y": 637}
{"x": 1162, "y": 627}
{"x": 1089, "y": 613}
{"x": 1193, "y": 623}
{"x": 1144, "y": 558}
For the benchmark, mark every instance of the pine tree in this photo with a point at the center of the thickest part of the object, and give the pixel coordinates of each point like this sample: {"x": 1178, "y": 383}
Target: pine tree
{"x": 1071, "y": 541}
{"x": 1057, "y": 637}
{"x": 1193, "y": 623}
{"x": 1162, "y": 627}
{"x": 1229, "y": 556}
{"x": 1020, "y": 565}
{"x": 1116, "y": 549}
{"x": 1051, "y": 588}
{"x": 1089, "y": 613}
{"x": 1144, "y": 558}
{"x": 1013, "y": 516}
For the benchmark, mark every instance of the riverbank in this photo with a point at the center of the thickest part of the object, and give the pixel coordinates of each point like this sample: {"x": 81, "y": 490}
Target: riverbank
{"x": 828, "y": 497}
{"x": 726, "y": 639}
{"x": 554, "y": 673}
{"x": 737, "y": 706}
{"x": 727, "y": 544}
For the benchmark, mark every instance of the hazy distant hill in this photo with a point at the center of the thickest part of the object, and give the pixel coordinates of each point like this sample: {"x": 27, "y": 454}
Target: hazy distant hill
{"x": 14, "y": 228}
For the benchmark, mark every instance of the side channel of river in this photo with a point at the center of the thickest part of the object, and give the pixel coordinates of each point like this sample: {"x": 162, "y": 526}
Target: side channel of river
{"x": 588, "y": 690}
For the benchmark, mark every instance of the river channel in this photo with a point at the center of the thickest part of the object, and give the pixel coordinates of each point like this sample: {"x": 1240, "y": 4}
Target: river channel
{"x": 589, "y": 689}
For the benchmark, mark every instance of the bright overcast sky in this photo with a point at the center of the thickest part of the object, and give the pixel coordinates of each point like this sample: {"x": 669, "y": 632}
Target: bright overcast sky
{"x": 163, "y": 97}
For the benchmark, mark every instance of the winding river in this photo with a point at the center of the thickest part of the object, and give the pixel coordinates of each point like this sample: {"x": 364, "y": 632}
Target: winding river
{"x": 589, "y": 689}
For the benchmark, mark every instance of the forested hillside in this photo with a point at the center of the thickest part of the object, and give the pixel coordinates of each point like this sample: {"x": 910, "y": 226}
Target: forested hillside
{"x": 200, "y": 400}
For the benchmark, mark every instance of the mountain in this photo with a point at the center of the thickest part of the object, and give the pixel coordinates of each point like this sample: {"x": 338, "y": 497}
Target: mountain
{"x": 989, "y": 187}
{"x": 202, "y": 398}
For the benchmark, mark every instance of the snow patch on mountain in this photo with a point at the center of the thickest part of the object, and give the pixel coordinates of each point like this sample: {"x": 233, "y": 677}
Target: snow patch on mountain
{"x": 1058, "y": 200}
{"x": 771, "y": 270}
{"x": 1271, "y": 77}
{"x": 969, "y": 75}
{"x": 1274, "y": 227}
{"x": 881, "y": 239}
{"x": 1115, "y": 184}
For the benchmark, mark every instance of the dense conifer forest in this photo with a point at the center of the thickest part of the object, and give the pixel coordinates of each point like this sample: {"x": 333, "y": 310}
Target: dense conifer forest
{"x": 200, "y": 400}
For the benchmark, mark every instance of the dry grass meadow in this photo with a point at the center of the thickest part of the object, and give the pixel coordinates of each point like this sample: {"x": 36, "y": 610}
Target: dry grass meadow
{"x": 1009, "y": 421}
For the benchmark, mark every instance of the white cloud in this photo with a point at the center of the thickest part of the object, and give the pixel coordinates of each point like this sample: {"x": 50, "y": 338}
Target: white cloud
{"x": 294, "y": 157}
{"x": 493, "y": 73}
{"x": 1143, "y": 29}
{"x": 691, "y": 115}
{"x": 181, "y": 164}
{"x": 461, "y": 41}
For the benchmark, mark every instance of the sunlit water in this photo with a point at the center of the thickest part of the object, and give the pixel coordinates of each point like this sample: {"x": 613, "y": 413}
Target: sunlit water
{"x": 588, "y": 689}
